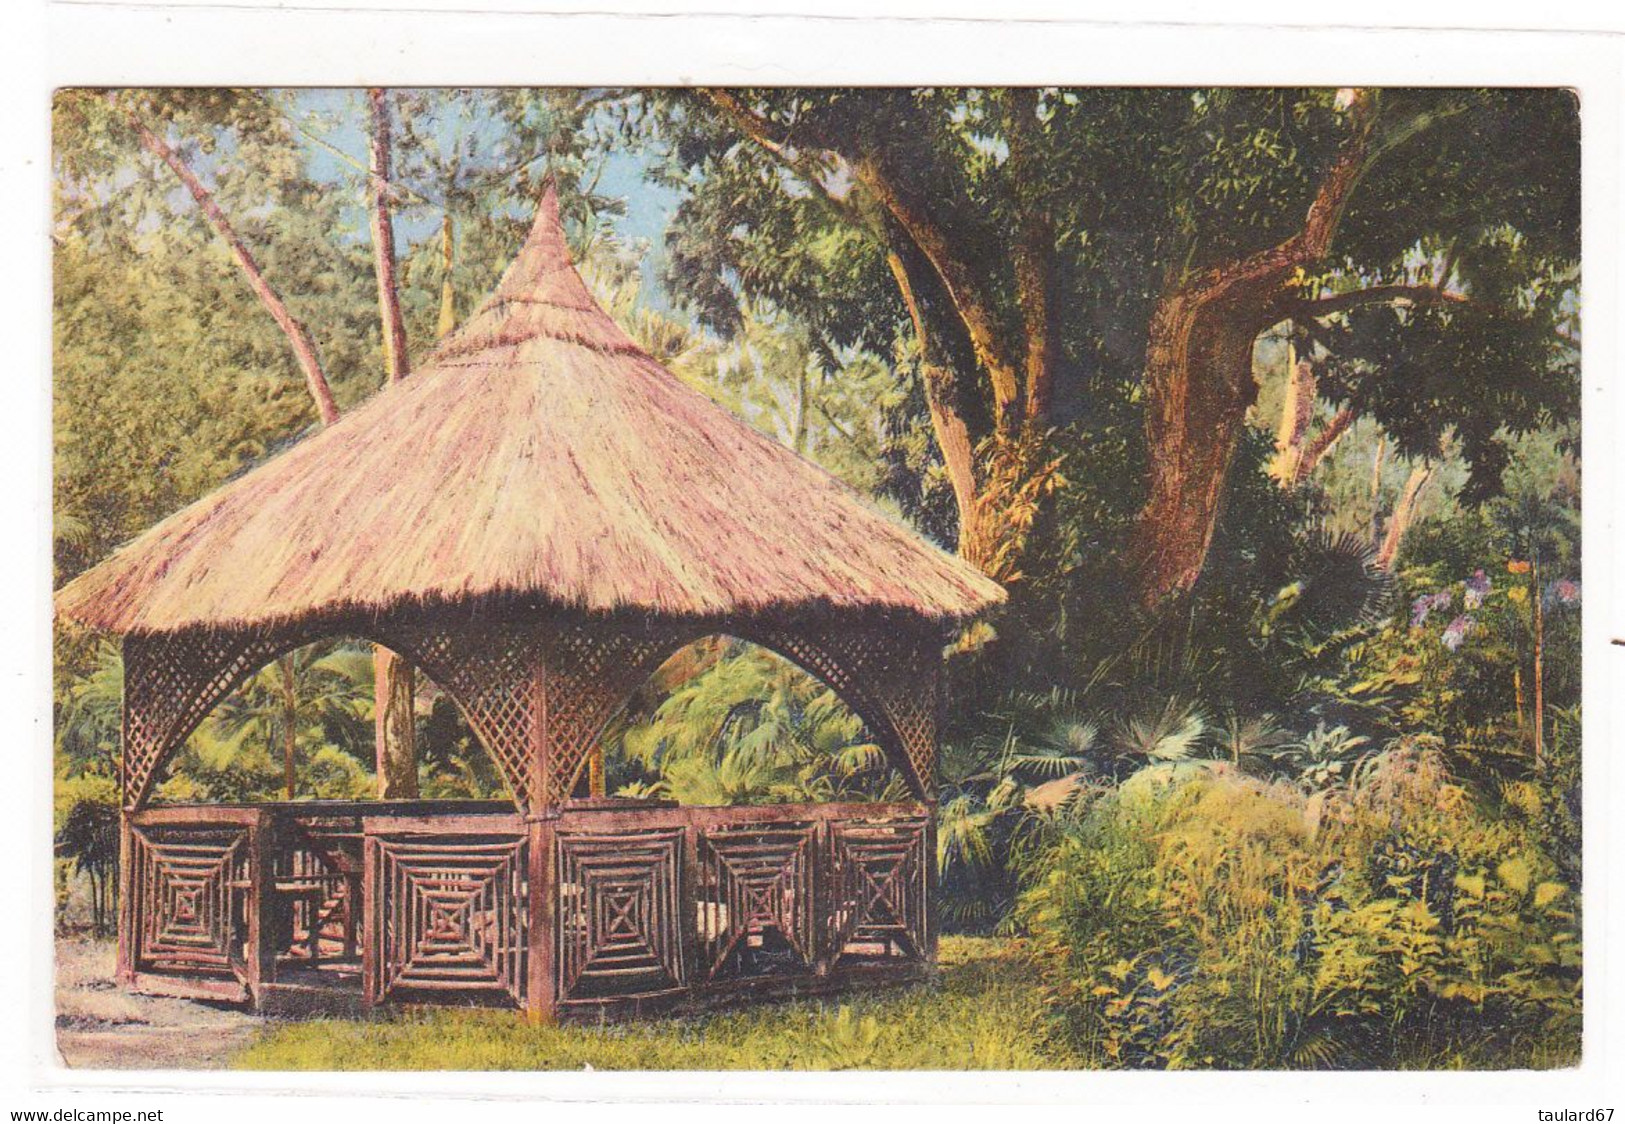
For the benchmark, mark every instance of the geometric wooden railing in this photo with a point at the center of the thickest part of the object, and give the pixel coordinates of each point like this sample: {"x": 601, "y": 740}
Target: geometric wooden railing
{"x": 189, "y": 901}
{"x": 609, "y": 908}
{"x": 189, "y": 916}
{"x": 689, "y": 906}
{"x": 448, "y": 914}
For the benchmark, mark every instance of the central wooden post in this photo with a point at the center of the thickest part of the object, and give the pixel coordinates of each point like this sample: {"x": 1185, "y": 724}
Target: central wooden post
{"x": 541, "y": 999}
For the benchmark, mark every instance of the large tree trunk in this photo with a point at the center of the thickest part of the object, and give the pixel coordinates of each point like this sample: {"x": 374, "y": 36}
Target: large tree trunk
{"x": 948, "y": 424}
{"x": 299, "y": 338}
{"x": 394, "y": 681}
{"x": 1199, "y": 380}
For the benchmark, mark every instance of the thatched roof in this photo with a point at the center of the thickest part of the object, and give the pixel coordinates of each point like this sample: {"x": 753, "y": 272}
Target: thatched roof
{"x": 539, "y": 452}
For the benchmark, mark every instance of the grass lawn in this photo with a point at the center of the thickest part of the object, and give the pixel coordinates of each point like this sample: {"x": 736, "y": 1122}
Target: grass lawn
{"x": 983, "y": 1013}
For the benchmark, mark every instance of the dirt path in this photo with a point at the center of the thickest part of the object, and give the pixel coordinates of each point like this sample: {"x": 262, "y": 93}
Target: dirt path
{"x": 99, "y": 1025}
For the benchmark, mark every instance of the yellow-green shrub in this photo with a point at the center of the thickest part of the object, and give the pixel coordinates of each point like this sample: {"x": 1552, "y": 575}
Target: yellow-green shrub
{"x": 1199, "y": 917}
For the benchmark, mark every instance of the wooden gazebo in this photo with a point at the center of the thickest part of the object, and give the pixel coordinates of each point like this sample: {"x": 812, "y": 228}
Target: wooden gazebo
{"x": 537, "y": 518}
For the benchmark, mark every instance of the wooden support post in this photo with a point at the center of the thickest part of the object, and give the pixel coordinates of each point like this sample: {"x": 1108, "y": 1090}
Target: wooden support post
{"x": 128, "y": 894}
{"x": 352, "y": 899}
{"x": 372, "y": 925}
{"x": 541, "y": 991}
{"x": 930, "y": 874}
{"x": 260, "y": 952}
{"x": 688, "y": 909}
{"x": 541, "y": 985}
{"x": 821, "y": 864}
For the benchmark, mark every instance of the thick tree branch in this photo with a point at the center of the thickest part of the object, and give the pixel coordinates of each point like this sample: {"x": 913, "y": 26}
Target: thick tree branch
{"x": 775, "y": 141}
{"x": 397, "y": 190}
{"x": 299, "y": 338}
{"x": 1270, "y": 268}
{"x": 972, "y": 305}
{"x": 1315, "y": 452}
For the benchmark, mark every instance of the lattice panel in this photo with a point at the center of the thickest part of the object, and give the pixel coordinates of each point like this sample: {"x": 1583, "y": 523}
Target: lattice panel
{"x": 188, "y": 884}
{"x": 891, "y": 677}
{"x": 587, "y": 676}
{"x": 171, "y": 682}
{"x": 877, "y": 888}
{"x": 756, "y": 899}
{"x": 448, "y": 915}
{"x": 490, "y": 672}
{"x": 621, "y": 930}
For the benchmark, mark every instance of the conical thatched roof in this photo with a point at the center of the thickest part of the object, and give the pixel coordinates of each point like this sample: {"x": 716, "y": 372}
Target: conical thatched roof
{"x": 539, "y": 451}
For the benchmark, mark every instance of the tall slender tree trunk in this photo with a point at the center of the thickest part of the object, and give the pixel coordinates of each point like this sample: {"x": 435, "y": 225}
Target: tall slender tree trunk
{"x": 299, "y": 338}
{"x": 1517, "y": 698}
{"x": 1540, "y": 654}
{"x": 1378, "y": 459}
{"x": 396, "y": 362}
{"x": 394, "y": 680}
{"x": 1297, "y": 455}
{"x": 1404, "y": 514}
{"x": 448, "y": 292}
{"x": 798, "y": 427}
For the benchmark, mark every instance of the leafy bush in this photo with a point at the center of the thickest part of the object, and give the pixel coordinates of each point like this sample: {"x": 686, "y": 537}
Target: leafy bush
{"x": 86, "y": 837}
{"x": 1198, "y": 917}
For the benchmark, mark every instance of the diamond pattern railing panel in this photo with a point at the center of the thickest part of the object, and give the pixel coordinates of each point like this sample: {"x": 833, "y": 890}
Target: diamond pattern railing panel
{"x": 878, "y": 889}
{"x": 448, "y": 916}
{"x": 621, "y": 929}
{"x": 190, "y": 885}
{"x": 755, "y": 909}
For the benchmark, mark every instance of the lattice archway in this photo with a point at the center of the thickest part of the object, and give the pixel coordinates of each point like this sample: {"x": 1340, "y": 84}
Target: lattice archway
{"x": 889, "y": 678}
{"x": 173, "y": 681}
{"x": 537, "y": 689}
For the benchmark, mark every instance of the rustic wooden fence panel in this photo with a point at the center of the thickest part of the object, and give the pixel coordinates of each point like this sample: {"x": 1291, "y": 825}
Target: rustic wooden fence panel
{"x": 447, "y": 914}
{"x": 625, "y": 908}
{"x": 785, "y": 898}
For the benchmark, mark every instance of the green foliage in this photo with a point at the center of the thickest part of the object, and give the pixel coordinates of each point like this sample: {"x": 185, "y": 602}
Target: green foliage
{"x": 324, "y": 692}
{"x": 726, "y": 722}
{"x": 86, "y": 843}
{"x": 89, "y": 710}
{"x": 1208, "y": 919}
{"x": 1324, "y": 758}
